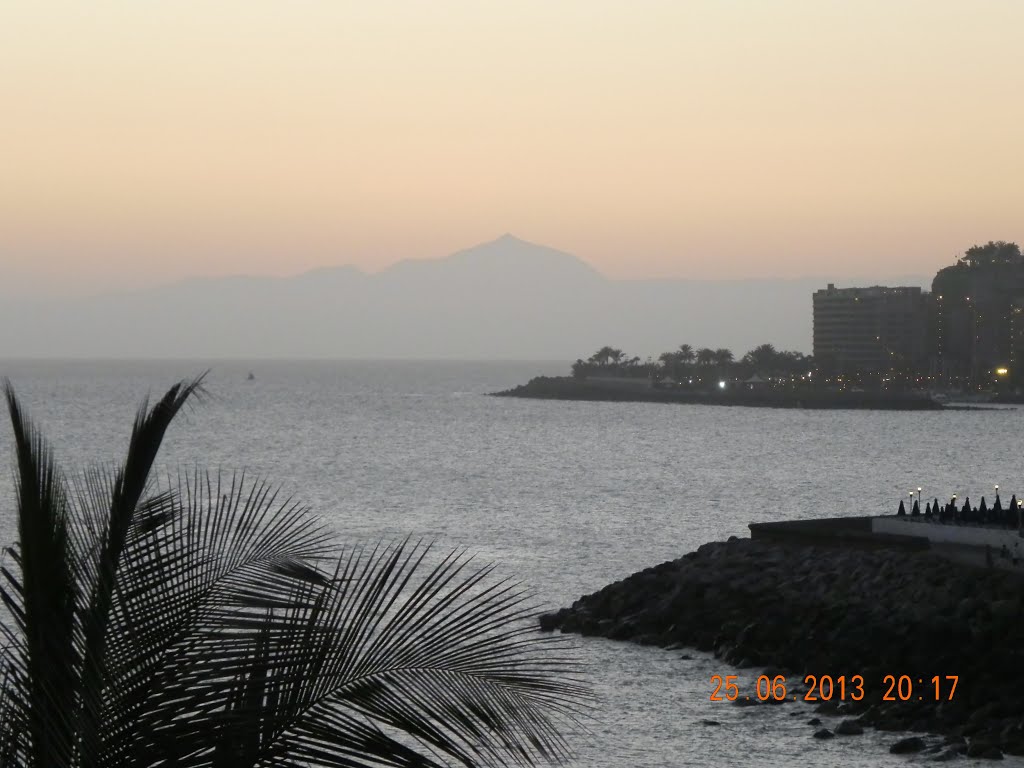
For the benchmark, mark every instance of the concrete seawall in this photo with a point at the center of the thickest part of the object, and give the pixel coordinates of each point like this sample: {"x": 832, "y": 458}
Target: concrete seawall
{"x": 970, "y": 545}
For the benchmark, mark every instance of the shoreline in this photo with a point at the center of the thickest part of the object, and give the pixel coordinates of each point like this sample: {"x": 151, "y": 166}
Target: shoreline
{"x": 800, "y": 610}
{"x": 568, "y": 388}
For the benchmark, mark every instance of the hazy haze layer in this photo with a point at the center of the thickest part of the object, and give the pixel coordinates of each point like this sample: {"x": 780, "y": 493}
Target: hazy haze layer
{"x": 143, "y": 142}
{"x": 507, "y": 299}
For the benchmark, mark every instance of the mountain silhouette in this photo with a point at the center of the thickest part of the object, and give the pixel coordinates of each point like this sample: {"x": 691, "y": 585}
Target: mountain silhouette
{"x": 504, "y": 299}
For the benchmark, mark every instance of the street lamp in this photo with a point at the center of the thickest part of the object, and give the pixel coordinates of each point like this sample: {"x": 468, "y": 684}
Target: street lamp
{"x": 919, "y": 494}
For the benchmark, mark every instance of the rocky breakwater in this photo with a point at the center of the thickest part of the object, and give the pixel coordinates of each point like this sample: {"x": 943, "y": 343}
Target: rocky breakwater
{"x": 806, "y": 610}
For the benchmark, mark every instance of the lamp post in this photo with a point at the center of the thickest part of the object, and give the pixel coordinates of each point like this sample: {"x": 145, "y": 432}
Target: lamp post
{"x": 919, "y": 495}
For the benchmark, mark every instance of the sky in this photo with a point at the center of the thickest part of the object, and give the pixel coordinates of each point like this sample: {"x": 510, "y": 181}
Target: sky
{"x": 147, "y": 141}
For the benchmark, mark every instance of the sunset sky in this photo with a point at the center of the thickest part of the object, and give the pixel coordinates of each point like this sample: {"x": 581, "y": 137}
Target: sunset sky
{"x": 147, "y": 141}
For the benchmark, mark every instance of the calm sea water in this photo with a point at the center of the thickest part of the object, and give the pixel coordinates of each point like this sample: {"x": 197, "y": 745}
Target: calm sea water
{"x": 569, "y": 496}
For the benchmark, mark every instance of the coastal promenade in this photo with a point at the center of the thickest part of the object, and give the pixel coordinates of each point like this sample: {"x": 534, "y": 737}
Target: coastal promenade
{"x": 897, "y": 608}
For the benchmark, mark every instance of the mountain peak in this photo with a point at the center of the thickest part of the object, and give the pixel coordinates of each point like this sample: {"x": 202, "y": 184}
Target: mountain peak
{"x": 508, "y": 258}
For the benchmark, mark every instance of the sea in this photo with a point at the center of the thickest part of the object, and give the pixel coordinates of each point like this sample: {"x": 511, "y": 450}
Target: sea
{"x": 564, "y": 496}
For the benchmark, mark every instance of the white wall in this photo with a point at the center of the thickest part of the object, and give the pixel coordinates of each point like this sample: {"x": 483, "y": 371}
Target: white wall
{"x": 957, "y": 535}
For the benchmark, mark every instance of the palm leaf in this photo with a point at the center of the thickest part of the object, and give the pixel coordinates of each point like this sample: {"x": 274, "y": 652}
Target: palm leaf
{"x": 444, "y": 659}
{"x": 200, "y": 628}
{"x": 128, "y": 487}
{"x": 46, "y": 594}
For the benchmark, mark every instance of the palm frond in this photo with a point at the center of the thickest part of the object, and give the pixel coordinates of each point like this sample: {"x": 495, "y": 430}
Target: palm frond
{"x": 44, "y": 599}
{"x": 201, "y": 553}
{"x": 129, "y": 485}
{"x": 443, "y": 658}
{"x": 201, "y": 624}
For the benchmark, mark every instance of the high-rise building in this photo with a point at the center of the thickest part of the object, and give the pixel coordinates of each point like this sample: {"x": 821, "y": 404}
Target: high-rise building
{"x": 978, "y": 333}
{"x": 871, "y": 330}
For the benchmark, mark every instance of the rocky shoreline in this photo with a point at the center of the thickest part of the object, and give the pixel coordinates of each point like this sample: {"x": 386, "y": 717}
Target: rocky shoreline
{"x": 568, "y": 388}
{"x": 805, "y": 610}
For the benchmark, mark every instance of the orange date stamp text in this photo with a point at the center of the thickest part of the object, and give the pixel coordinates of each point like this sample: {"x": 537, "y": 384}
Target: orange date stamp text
{"x": 836, "y": 688}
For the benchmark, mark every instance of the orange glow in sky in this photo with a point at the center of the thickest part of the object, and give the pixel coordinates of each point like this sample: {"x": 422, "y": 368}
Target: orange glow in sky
{"x": 145, "y": 141}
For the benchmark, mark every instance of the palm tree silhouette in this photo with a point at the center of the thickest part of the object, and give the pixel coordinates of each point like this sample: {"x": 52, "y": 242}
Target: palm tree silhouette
{"x": 686, "y": 354}
{"x": 206, "y": 621}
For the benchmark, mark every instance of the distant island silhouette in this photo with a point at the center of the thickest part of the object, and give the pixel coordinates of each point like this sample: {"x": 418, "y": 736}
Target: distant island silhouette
{"x": 505, "y": 299}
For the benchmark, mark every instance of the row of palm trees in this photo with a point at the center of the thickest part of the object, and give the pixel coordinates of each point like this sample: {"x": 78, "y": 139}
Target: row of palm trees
{"x": 676, "y": 362}
{"x": 686, "y": 360}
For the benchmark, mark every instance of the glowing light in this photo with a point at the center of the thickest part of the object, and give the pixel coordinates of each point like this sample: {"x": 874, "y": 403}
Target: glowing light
{"x": 1002, "y": 371}
{"x": 721, "y": 385}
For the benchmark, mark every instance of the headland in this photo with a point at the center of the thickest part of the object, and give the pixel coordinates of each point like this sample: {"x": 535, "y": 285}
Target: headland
{"x": 572, "y": 388}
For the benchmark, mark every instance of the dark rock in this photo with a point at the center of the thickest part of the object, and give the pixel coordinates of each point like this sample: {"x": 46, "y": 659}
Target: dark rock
{"x": 849, "y": 728}
{"x": 984, "y": 749}
{"x": 907, "y": 746}
{"x": 890, "y": 722}
{"x": 869, "y": 716}
{"x": 709, "y": 722}
{"x": 824, "y": 733}
{"x": 550, "y": 621}
{"x": 814, "y": 721}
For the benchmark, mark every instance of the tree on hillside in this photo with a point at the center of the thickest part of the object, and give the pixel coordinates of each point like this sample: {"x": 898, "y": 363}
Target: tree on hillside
{"x": 207, "y": 622}
{"x": 993, "y": 252}
{"x": 686, "y": 354}
{"x": 723, "y": 357}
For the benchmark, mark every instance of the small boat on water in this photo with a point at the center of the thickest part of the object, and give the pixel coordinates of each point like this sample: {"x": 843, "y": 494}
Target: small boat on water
{"x": 251, "y": 376}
